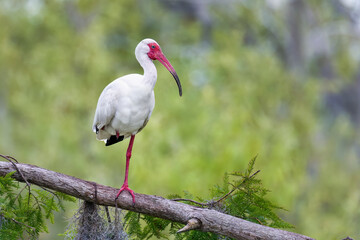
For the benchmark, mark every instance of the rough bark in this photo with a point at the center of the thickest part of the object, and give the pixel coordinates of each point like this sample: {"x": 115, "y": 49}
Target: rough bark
{"x": 199, "y": 218}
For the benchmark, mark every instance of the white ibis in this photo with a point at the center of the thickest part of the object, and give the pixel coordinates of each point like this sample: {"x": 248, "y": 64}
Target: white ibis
{"x": 125, "y": 105}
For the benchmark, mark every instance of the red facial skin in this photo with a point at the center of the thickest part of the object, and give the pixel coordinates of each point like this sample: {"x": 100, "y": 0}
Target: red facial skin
{"x": 156, "y": 54}
{"x": 155, "y": 50}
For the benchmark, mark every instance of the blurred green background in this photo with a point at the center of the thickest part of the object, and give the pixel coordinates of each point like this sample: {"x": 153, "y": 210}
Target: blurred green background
{"x": 275, "y": 78}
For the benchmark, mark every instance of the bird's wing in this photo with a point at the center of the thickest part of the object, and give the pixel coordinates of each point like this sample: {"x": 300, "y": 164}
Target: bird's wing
{"x": 104, "y": 112}
{"x": 112, "y": 98}
{"x": 105, "y": 109}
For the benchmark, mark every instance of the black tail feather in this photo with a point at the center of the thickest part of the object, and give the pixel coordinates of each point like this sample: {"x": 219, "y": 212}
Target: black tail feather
{"x": 113, "y": 139}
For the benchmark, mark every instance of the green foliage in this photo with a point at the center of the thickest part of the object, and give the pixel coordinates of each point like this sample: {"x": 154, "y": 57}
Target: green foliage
{"x": 23, "y": 211}
{"x": 141, "y": 226}
{"x": 241, "y": 195}
{"x": 247, "y": 198}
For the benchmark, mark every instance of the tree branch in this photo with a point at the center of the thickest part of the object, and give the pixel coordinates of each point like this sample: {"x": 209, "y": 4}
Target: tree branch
{"x": 197, "y": 218}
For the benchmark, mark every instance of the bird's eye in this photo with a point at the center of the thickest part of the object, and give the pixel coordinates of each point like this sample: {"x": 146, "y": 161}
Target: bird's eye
{"x": 153, "y": 46}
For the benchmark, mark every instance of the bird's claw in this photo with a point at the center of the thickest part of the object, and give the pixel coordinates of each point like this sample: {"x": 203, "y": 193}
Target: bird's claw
{"x": 126, "y": 188}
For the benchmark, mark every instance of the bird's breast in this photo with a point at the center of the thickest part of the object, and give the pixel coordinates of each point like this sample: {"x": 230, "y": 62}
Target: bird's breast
{"x": 133, "y": 110}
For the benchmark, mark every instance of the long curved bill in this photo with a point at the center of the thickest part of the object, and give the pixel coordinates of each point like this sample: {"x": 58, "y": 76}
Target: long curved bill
{"x": 161, "y": 57}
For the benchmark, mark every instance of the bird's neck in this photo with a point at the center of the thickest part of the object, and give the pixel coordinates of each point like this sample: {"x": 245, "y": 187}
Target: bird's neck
{"x": 150, "y": 73}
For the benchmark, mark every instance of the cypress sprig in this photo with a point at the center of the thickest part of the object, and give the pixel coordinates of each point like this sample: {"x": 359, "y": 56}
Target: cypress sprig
{"x": 23, "y": 213}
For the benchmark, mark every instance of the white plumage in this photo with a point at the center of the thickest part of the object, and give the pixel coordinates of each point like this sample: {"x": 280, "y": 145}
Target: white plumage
{"x": 125, "y": 105}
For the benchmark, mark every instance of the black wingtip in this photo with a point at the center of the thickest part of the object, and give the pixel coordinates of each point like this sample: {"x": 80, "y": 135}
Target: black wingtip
{"x": 113, "y": 139}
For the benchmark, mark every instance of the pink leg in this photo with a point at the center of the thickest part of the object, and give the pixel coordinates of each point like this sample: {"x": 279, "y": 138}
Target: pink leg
{"x": 125, "y": 186}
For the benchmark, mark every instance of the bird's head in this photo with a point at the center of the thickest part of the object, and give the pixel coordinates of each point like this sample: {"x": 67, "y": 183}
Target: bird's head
{"x": 153, "y": 51}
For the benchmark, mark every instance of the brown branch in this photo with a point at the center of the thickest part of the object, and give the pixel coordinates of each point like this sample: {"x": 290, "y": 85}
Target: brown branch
{"x": 205, "y": 219}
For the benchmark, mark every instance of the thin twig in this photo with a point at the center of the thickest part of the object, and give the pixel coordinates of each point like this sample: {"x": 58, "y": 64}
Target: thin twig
{"x": 22, "y": 189}
{"x": 37, "y": 201}
{"x": 219, "y": 200}
{"x": 259, "y": 221}
{"x": 252, "y": 175}
{"x": 17, "y": 222}
{"x": 53, "y": 193}
{"x": 107, "y": 214}
{"x": 189, "y": 200}
{"x": 226, "y": 195}
{"x": 12, "y": 159}
{"x": 116, "y": 213}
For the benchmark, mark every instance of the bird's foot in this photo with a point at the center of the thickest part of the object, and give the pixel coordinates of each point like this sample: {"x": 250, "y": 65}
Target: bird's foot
{"x": 125, "y": 187}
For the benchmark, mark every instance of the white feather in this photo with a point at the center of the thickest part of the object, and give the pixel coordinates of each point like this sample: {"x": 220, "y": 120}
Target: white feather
{"x": 124, "y": 106}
